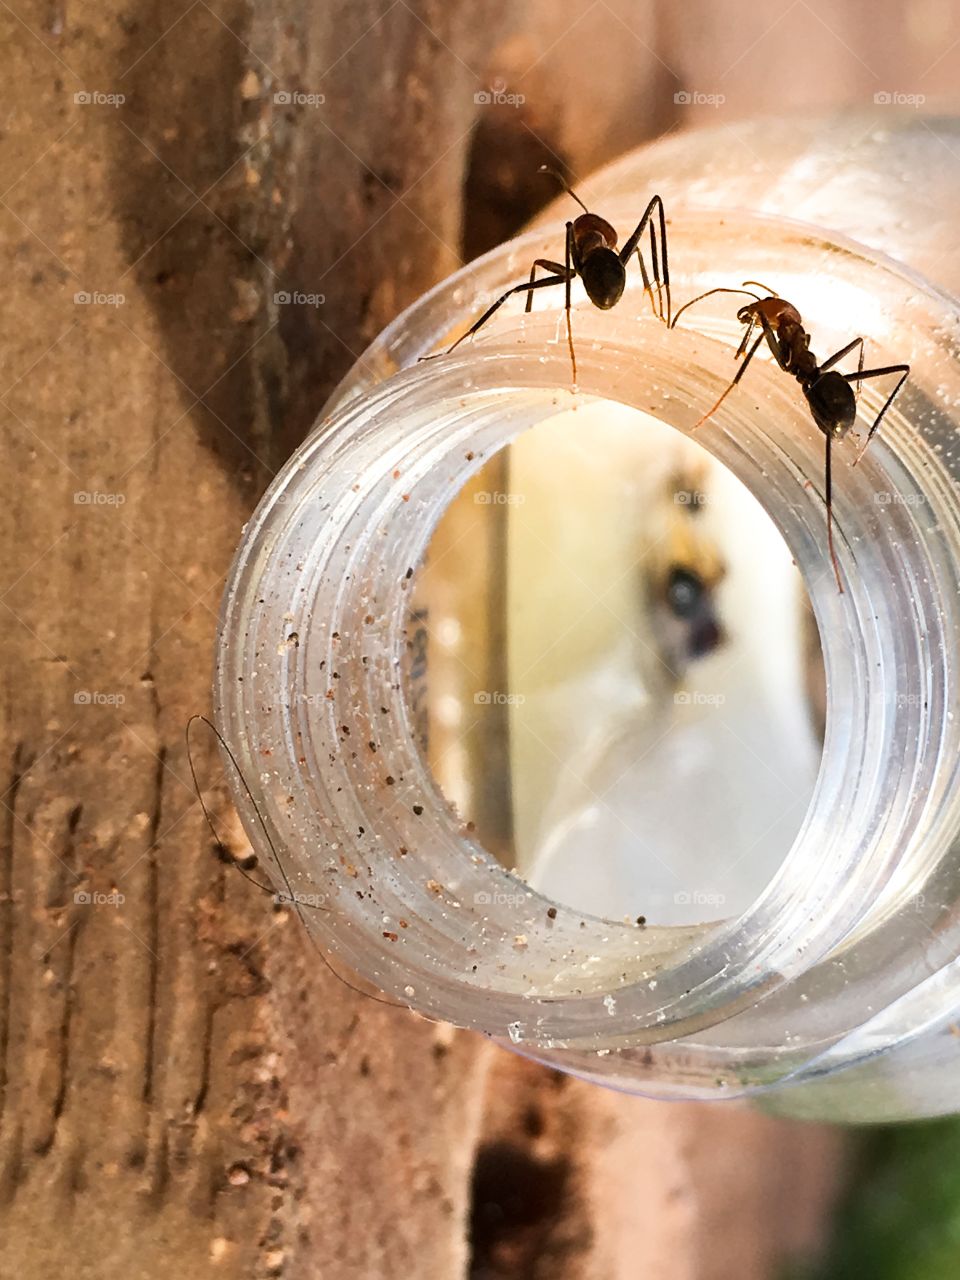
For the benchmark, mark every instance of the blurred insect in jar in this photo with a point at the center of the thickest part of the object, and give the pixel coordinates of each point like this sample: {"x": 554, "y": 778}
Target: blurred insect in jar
{"x": 703, "y": 678}
{"x": 681, "y": 578}
{"x": 605, "y": 721}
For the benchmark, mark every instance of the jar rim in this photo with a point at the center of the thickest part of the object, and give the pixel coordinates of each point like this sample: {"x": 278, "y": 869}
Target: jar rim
{"x": 426, "y": 421}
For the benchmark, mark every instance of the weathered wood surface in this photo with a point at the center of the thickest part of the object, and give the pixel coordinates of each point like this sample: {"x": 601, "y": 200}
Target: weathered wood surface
{"x": 182, "y": 1090}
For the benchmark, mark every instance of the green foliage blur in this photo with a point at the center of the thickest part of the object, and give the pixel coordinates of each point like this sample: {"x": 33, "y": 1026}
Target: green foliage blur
{"x": 900, "y": 1219}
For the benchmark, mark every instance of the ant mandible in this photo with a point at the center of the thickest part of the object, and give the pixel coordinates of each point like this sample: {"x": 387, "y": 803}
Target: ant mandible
{"x": 591, "y": 253}
{"x": 829, "y": 393}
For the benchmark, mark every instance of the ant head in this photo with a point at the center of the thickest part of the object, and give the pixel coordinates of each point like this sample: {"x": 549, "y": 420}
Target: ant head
{"x": 604, "y": 277}
{"x": 833, "y": 404}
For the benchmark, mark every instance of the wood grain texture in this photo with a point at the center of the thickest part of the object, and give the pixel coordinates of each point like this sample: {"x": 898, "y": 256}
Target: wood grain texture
{"x": 146, "y": 1024}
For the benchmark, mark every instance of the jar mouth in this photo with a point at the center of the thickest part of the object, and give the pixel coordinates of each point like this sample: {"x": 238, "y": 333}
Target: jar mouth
{"x": 312, "y": 639}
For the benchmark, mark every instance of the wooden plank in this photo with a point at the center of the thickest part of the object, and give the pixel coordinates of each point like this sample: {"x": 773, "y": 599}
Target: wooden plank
{"x": 181, "y": 1085}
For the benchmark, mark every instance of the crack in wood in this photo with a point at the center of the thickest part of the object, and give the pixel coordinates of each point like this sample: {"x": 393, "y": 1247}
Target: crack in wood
{"x": 6, "y": 918}
{"x": 44, "y": 1145}
{"x": 153, "y": 909}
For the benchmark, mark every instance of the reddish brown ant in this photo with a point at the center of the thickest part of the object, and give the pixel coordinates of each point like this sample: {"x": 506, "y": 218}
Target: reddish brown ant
{"x": 591, "y": 253}
{"x": 829, "y": 393}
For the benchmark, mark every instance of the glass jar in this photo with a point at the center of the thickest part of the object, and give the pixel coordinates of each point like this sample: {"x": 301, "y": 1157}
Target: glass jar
{"x": 836, "y": 993}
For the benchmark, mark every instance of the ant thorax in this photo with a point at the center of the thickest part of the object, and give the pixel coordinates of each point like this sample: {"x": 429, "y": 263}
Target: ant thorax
{"x": 797, "y": 357}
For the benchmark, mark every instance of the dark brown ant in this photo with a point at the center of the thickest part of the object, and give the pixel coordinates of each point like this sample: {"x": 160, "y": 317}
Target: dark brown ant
{"x": 591, "y": 253}
{"x": 829, "y": 393}
{"x": 289, "y": 896}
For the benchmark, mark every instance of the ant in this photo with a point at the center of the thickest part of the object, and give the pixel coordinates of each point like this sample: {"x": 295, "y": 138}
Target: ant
{"x": 829, "y": 393}
{"x": 591, "y": 253}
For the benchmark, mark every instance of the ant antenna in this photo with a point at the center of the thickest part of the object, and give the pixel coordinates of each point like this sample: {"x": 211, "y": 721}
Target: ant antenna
{"x": 554, "y": 173}
{"x": 765, "y": 287}
{"x": 392, "y": 1004}
{"x": 700, "y": 297}
{"x": 208, "y": 816}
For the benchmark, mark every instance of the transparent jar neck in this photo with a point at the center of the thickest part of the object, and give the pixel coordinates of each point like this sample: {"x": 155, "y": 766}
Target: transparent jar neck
{"x": 321, "y": 726}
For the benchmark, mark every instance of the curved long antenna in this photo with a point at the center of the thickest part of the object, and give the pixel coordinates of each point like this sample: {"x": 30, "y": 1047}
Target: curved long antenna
{"x": 554, "y": 173}
{"x": 770, "y": 292}
{"x": 203, "y": 804}
{"x": 391, "y": 1004}
{"x": 709, "y": 292}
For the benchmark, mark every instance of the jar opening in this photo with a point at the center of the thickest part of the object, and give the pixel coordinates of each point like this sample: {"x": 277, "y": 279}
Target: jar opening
{"x": 332, "y": 553}
{"x": 606, "y": 627}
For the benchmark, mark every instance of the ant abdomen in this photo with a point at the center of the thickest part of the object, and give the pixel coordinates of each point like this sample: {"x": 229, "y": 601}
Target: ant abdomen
{"x": 832, "y": 403}
{"x": 604, "y": 278}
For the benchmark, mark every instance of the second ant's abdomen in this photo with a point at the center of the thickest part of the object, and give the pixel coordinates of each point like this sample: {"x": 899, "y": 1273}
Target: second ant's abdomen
{"x": 833, "y": 404}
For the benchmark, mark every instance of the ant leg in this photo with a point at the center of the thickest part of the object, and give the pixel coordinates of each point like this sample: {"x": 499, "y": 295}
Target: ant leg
{"x": 844, "y": 351}
{"x": 545, "y": 283}
{"x": 556, "y": 267}
{"x": 861, "y": 376}
{"x": 747, "y": 335}
{"x": 627, "y": 251}
{"x": 709, "y": 293}
{"x": 774, "y": 343}
{"x": 666, "y": 266}
{"x": 859, "y": 383}
{"x": 655, "y": 269}
{"x": 839, "y": 355}
{"x": 570, "y": 273}
{"x": 739, "y": 374}
{"x": 828, "y": 498}
{"x": 647, "y": 289}
{"x": 662, "y": 219}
